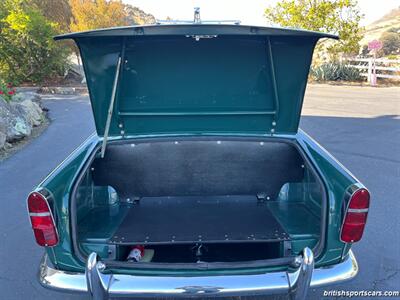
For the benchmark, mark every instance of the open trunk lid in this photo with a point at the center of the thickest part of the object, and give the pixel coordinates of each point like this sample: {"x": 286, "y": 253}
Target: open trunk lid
{"x": 200, "y": 79}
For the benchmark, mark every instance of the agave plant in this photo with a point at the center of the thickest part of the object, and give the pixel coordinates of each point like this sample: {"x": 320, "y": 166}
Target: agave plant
{"x": 335, "y": 71}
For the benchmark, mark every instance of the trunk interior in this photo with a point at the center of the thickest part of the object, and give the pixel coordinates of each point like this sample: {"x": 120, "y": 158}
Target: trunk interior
{"x": 198, "y": 200}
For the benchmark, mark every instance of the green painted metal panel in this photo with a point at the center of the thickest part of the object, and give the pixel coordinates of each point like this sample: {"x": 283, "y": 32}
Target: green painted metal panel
{"x": 337, "y": 179}
{"x": 220, "y": 83}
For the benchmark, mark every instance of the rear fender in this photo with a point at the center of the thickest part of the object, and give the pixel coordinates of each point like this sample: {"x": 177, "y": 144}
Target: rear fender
{"x": 338, "y": 180}
{"x": 58, "y": 184}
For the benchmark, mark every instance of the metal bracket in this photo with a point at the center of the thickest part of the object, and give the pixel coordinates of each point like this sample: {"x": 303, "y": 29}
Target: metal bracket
{"x": 197, "y": 18}
{"x": 112, "y": 251}
{"x": 287, "y": 248}
{"x": 263, "y": 197}
{"x": 198, "y": 37}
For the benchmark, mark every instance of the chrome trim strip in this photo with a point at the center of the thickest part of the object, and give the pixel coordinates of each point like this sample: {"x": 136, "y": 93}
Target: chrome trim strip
{"x": 357, "y": 210}
{"x": 170, "y": 286}
{"x": 42, "y": 214}
{"x": 50, "y": 277}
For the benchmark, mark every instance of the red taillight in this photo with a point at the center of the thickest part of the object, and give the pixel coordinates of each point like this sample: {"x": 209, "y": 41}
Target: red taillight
{"x": 356, "y": 217}
{"x": 42, "y": 220}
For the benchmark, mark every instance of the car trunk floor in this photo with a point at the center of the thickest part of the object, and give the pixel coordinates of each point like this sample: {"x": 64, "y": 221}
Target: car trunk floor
{"x": 196, "y": 219}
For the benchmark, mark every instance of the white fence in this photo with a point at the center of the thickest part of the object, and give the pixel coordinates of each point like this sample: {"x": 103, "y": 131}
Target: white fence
{"x": 384, "y": 68}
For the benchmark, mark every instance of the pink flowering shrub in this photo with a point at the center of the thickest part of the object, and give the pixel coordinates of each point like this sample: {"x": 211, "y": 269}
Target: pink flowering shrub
{"x": 7, "y": 91}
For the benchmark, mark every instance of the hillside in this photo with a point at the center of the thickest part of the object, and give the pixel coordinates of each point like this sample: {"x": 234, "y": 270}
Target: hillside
{"x": 138, "y": 16}
{"x": 388, "y": 21}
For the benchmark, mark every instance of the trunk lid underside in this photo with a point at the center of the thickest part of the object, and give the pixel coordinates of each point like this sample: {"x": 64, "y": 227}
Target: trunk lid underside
{"x": 244, "y": 199}
{"x": 197, "y": 78}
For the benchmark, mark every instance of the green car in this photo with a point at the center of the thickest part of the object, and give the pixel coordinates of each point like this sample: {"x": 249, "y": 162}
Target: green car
{"x": 199, "y": 182}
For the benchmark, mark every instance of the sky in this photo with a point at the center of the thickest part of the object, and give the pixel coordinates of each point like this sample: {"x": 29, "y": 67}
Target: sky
{"x": 248, "y": 12}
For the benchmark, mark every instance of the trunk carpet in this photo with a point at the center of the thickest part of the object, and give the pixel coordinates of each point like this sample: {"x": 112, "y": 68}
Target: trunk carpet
{"x": 211, "y": 219}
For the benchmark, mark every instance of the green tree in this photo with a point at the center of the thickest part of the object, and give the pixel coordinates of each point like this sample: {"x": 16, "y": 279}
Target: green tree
{"x": 340, "y": 17}
{"x": 391, "y": 43}
{"x": 27, "y": 50}
{"x": 57, "y": 11}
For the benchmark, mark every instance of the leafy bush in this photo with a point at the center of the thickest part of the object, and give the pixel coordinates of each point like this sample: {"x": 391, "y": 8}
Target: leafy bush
{"x": 391, "y": 43}
{"x": 335, "y": 72}
{"x": 27, "y": 50}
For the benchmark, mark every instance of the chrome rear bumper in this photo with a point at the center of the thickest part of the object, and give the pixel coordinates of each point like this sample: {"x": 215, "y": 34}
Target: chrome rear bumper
{"x": 101, "y": 286}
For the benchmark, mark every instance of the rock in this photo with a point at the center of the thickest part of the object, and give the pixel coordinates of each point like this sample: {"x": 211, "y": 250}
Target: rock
{"x": 33, "y": 112}
{"x": 32, "y": 96}
{"x": 19, "y": 116}
{"x": 3, "y": 126}
{"x": 14, "y": 120}
{"x": 20, "y": 129}
{"x": 64, "y": 90}
{"x": 2, "y": 140}
{"x": 3, "y": 135}
{"x": 61, "y": 90}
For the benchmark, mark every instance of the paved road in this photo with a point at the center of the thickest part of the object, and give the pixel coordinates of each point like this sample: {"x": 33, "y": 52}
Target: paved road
{"x": 360, "y": 126}
{"x": 357, "y": 125}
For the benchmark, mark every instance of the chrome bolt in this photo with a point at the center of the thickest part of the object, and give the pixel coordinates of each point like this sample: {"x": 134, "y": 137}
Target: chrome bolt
{"x": 101, "y": 266}
{"x": 297, "y": 261}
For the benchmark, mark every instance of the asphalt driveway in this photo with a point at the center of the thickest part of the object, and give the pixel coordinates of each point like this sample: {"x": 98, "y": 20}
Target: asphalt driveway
{"x": 358, "y": 125}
